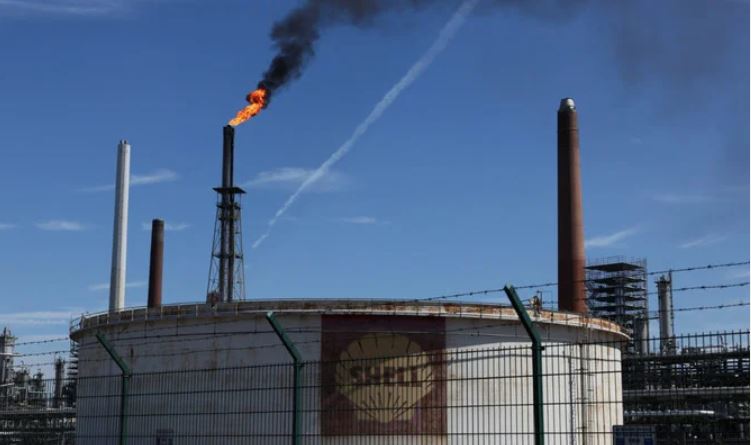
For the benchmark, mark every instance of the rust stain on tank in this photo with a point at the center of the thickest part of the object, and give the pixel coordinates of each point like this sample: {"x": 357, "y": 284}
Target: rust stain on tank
{"x": 249, "y": 309}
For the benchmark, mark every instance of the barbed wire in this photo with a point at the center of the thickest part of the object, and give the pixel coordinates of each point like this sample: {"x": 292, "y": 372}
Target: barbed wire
{"x": 697, "y": 308}
{"x": 476, "y": 332}
{"x": 708, "y": 266}
{"x": 657, "y": 272}
{"x": 33, "y": 365}
{"x": 38, "y": 342}
{"x": 469, "y": 328}
{"x": 689, "y": 288}
{"x": 499, "y": 290}
{"x": 149, "y": 334}
{"x": 553, "y": 283}
{"x": 196, "y": 336}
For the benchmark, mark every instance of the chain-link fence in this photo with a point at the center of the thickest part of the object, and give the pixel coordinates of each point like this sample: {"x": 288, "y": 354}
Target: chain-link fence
{"x": 696, "y": 391}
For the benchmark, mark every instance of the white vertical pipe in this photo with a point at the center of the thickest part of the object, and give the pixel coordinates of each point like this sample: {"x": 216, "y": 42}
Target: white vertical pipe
{"x": 120, "y": 233}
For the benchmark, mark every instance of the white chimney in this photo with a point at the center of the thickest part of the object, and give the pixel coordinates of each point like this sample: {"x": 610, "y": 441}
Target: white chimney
{"x": 120, "y": 234}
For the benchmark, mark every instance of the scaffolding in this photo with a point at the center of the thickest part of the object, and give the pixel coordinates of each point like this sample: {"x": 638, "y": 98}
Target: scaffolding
{"x": 617, "y": 291}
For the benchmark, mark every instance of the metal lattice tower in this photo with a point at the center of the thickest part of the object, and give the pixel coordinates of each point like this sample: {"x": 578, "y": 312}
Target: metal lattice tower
{"x": 226, "y": 271}
{"x": 617, "y": 290}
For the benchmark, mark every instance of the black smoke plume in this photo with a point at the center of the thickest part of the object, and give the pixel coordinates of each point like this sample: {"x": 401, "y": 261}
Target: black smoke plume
{"x": 683, "y": 57}
{"x": 295, "y": 35}
{"x": 294, "y": 38}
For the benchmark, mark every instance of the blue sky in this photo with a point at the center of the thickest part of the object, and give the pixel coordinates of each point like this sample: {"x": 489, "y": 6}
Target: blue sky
{"x": 452, "y": 189}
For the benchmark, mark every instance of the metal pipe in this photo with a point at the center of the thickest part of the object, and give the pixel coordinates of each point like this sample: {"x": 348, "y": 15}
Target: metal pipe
{"x": 296, "y": 376}
{"x": 227, "y": 233}
{"x": 228, "y": 149}
{"x": 120, "y": 231}
{"x": 156, "y": 264}
{"x": 537, "y": 395}
{"x": 571, "y": 259}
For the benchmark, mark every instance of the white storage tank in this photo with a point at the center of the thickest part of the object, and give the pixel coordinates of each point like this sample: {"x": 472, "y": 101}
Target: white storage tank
{"x": 375, "y": 372}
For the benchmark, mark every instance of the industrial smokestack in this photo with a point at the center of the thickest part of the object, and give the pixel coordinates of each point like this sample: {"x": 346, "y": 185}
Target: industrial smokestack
{"x": 59, "y": 376}
{"x": 228, "y": 155}
{"x": 7, "y": 352}
{"x": 120, "y": 232}
{"x": 665, "y": 304}
{"x": 227, "y": 241}
{"x": 156, "y": 264}
{"x": 641, "y": 334}
{"x": 226, "y": 268}
{"x": 571, "y": 290}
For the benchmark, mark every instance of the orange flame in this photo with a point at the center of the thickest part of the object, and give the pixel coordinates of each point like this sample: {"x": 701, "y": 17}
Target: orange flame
{"x": 256, "y": 100}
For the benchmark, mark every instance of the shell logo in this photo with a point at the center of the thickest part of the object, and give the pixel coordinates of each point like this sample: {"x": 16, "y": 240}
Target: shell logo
{"x": 384, "y": 375}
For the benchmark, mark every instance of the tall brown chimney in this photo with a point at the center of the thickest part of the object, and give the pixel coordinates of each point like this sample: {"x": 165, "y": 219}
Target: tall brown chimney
{"x": 571, "y": 291}
{"x": 157, "y": 261}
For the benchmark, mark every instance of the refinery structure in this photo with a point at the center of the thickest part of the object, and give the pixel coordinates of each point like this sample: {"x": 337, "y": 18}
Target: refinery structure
{"x": 237, "y": 370}
{"x": 411, "y": 340}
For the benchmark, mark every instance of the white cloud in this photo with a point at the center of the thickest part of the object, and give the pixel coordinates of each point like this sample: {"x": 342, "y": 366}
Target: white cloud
{"x": 61, "y": 225}
{"x": 610, "y": 240}
{"x": 359, "y": 220}
{"x": 704, "y": 241}
{"x": 37, "y": 318}
{"x": 167, "y": 226}
{"x": 62, "y": 7}
{"x": 7, "y": 226}
{"x": 97, "y": 188}
{"x": 161, "y": 175}
{"x": 106, "y": 286}
{"x": 156, "y": 177}
{"x": 290, "y": 178}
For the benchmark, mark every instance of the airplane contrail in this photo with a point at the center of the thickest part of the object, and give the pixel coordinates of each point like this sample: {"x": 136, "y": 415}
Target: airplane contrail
{"x": 448, "y": 31}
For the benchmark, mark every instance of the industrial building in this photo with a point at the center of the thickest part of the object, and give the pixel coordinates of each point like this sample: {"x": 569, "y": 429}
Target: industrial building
{"x": 230, "y": 370}
{"x": 691, "y": 389}
{"x": 33, "y": 410}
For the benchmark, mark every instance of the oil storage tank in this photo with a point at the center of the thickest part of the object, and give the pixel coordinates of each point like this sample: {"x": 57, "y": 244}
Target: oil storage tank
{"x": 371, "y": 372}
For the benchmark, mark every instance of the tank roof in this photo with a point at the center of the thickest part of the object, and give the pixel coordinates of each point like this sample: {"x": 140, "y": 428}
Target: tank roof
{"x": 244, "y": 308}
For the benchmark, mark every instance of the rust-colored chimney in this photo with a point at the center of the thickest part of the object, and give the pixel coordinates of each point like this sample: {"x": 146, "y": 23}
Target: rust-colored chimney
{"x": 157, "y": 261}
{"x": 571, "y": 290}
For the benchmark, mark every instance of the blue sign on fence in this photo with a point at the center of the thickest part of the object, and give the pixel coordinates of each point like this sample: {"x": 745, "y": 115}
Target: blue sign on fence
{"x": 634, "y": 435}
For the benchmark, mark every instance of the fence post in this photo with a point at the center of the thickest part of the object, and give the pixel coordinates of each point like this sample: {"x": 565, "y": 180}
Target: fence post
{"x": 124, "y": 379}
{"x": 297, "y": 363}
{"x": 537, "y": 348}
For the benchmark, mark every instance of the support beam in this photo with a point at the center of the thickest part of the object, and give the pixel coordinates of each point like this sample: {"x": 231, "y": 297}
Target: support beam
{"x": 124, "y": 381}
{"x": 297, "y": 363}
{"x": 537, "y": 397}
